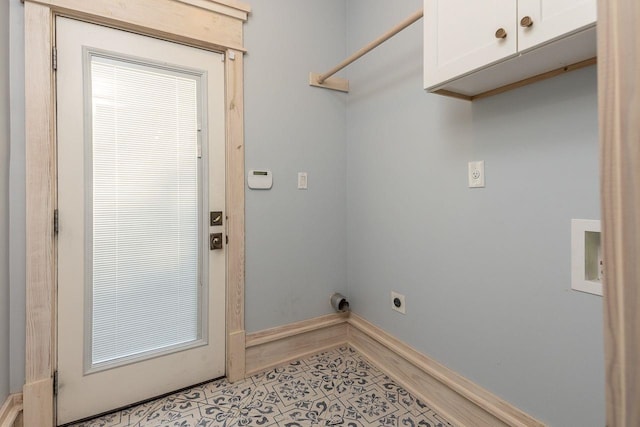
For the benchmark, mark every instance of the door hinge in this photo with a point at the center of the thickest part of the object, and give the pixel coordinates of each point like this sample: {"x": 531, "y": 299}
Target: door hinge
{"x": 56, "y": 222}
{"x": 226, "y": 239}
{"x": 54, "y": 58}
{"x": 55, "y": 383}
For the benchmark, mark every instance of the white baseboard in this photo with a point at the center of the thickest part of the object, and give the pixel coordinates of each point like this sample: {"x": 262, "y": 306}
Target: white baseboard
{"x": 448, "y": 393}
{"x": 11, "y": 411}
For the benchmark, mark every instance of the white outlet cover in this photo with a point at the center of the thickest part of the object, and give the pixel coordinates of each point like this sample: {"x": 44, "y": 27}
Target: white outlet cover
{"x": 403, "y": 306}
{"x": 476, "y": 174}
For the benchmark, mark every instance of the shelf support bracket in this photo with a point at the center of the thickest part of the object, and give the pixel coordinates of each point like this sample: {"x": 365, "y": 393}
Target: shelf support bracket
{"x": 336, "y": 83}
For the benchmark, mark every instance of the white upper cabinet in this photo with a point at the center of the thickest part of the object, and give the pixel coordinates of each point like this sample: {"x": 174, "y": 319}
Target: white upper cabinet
{"x": 474, "y": 46}
{"x": 541, "y": 21}
{"x": 460, "y": 36}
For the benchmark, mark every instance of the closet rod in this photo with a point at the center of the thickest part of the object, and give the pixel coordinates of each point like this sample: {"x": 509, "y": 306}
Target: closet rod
{"x": 335, "y": 83}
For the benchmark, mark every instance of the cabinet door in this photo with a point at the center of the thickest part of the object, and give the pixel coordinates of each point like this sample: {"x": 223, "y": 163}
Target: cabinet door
{"x": 460, "y": 36}
{"x": 551, "y": 19}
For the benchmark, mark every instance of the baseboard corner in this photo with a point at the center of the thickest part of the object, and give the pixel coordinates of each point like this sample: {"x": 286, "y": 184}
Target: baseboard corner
{"x": 275, "y": 346}
{"x": 456, "y": 398}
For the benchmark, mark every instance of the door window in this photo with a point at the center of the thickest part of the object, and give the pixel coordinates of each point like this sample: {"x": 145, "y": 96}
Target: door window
{"x": 144, "y": 196}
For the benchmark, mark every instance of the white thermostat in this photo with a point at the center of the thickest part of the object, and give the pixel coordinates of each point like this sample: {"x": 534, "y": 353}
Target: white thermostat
{"x": 260, "y": 179}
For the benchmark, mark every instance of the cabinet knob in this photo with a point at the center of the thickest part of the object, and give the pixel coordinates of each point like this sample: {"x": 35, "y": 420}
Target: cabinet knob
{"x": 501, "y": 33}
{"x": 526, "y": 22}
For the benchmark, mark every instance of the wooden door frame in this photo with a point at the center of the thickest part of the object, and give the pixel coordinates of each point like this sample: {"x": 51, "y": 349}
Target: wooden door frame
{"x": 619, "y": 115}
{"x": 215, "y": 25}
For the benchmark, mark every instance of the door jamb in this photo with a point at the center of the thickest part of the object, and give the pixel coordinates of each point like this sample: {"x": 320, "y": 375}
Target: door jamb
{"x": 619, "y": 106}
{"x": 147, "y": 17}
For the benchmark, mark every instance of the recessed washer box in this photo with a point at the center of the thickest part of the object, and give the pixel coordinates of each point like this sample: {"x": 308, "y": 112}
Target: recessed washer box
{"x": 587, "y": 265}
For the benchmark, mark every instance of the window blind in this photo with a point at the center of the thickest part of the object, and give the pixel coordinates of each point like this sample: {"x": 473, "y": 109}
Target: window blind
{"x": 145, "y": 197}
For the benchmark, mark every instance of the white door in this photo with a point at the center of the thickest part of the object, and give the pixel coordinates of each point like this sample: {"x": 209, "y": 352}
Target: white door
{"x": 141, "y": 163}
{"x": 550, "y": 19}
{"x": 460, "y": 36}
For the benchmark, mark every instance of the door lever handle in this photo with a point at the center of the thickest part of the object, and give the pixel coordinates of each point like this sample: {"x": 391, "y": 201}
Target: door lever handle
{"x": 215, "y": 241}
{"x": 215, "y": 218}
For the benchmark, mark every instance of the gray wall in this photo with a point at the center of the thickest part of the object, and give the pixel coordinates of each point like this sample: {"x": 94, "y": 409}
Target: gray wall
{"x": 296, "y": 242}
{"x": 4, "y": 202}
{"x": 486, "y": 272}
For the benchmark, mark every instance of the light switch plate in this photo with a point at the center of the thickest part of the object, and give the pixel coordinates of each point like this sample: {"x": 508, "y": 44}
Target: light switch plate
{"x": 302, "y": 180}
{"x": 476, "y": 174}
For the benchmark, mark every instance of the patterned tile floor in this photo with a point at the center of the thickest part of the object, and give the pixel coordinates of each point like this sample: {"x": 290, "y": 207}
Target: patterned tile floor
{"x": 337, "y": 387}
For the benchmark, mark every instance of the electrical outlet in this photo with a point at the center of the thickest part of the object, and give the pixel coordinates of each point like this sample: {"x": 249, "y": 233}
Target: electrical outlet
{"x": 476, "y": 174}
{"x": 397, "y": 302}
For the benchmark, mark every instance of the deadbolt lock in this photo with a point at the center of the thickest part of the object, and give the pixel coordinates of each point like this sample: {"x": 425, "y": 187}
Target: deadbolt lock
{"x": 215, "y": 241}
